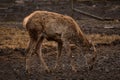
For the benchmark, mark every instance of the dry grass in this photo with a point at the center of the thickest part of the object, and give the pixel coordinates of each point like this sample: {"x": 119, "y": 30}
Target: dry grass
{"x": 17, "y": 38}
{"x": 13, "y": 37}
{"x": 98, "y": 38}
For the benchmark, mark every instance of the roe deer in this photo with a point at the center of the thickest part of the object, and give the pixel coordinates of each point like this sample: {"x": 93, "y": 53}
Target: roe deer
{"x": 55, "y": 27}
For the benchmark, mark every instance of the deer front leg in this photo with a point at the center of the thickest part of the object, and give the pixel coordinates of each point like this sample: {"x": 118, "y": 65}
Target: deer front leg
{"x": 68, "y": 50}
{"x": 58, "y": 54}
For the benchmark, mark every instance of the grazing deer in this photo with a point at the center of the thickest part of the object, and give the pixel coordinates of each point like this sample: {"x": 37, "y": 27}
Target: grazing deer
{"x": 55, "y": 27}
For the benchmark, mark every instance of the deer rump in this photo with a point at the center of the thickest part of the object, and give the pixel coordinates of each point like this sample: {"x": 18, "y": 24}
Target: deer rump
{"x": 56, "y": 27}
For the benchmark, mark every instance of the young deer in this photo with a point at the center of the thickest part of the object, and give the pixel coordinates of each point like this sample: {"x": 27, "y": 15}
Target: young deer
{"x": 55, "y": 27}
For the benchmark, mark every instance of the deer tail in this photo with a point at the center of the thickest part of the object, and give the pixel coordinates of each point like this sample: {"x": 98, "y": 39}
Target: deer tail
{"x": 25, "y": 21}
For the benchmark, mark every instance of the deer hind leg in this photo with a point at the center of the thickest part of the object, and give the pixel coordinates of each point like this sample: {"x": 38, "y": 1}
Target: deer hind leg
{"x": 58, "y": 54}
{"x": 31, "y": 46}
{"x": 68, "y": 50}
{"x": 39, "y": 52}
{"x": 29, "y": 51}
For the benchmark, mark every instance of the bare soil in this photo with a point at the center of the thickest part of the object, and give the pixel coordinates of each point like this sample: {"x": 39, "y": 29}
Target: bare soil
{"x": 14, "y": 39}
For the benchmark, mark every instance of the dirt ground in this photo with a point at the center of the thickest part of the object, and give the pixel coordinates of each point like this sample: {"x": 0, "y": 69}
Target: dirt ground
{"x": 14, "y": 39}
{"x": 105, "y": 35}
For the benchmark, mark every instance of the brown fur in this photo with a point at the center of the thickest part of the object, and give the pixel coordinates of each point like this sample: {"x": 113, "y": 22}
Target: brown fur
{"x": 56, "y": 27}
